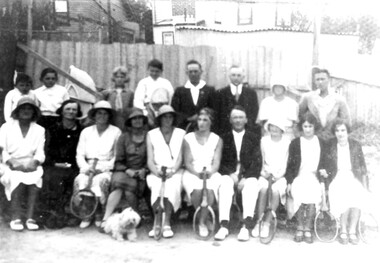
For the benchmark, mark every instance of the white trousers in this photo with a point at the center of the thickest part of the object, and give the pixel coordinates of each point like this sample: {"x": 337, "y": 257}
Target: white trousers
{"x": 249, "y": 194}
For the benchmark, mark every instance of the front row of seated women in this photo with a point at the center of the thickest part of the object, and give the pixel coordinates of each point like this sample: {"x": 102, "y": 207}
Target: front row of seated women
{"x": 237, "y": 163}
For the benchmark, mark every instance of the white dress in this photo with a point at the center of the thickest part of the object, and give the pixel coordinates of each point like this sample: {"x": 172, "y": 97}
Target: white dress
{"x": 23, "y": 149}
{"x": 275, "y": 156}
{"x": 203, "y": 156}
{"x": 91, "y": 145}
{"x": 166, "y": 155}
{"x": 345, "y": 190}
{"x": 306, "y": 188}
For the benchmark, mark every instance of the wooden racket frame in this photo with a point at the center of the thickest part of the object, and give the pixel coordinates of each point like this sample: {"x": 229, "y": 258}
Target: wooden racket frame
{"x": 268, "y": 209}
{"x": 204, "y": 205}
{"x": 87, "y": 190}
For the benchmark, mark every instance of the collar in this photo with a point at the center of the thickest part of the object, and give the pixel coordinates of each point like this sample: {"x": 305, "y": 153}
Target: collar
{"x": 200, "y": 85}
{"x": 241, "y": 134}
{"x": 233, "y": 88}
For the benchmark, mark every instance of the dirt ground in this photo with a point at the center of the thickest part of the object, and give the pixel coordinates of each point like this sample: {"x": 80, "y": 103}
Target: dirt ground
{"x": 75, "y": 245}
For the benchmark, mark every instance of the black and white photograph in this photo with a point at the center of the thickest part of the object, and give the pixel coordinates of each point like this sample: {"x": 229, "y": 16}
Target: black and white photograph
{"x": 159, "y": 131}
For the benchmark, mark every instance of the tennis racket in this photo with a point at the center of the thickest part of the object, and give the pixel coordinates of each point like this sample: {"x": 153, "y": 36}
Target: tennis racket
{"x": 84, "y": 202}
{"x": 205, "y": 211}
{"x": 368, "y": 228}
{"x": 326, "y": 227}
{"x": 269, "y": 218}
{"x": 159, "y": 213}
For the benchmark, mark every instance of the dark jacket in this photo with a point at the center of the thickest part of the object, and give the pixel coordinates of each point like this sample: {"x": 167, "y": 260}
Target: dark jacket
{"x": 330, "y": 160}
{"x": 250, "y": 155}
{"x": 225, "y": 102}
{"x": 294, "y": 159}
{"x": 183, "y": 104}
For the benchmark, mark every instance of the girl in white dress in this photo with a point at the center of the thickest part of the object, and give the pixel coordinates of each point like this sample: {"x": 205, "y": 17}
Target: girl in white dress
{"x": 202, "y": 148}
{"x": 345, "y": 169}
{"x": 274, "y": 151}
{"x": 22, "y": 141}
{"x": 164, "y": 147}
{"x": 301, "y": 175}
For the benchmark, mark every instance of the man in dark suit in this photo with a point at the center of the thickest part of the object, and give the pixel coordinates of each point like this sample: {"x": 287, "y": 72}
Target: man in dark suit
{"x": 240, "y": 168}
{"x": 193, "y": 96}
{"x": 236, "y": 93}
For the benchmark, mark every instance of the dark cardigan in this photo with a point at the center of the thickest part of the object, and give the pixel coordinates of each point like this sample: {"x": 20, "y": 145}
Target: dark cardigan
{"x": 330, "y": 160}
{"x": 294, "y": 159}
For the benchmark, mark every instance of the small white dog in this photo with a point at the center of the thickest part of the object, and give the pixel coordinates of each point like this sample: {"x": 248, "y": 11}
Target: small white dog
{"x": 124, "y": 223}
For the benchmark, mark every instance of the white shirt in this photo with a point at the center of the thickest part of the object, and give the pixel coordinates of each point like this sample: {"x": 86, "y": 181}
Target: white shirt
{"x": 145, "y": 89}
{"x": 11, "y": 100}
{"x": 92, "y": 145}
{"x": 238, "y": 138}
{"x": 275, "y": 155}
{"x": 51, "y": 99}
{"x": 194, "y": 90}
{"x": 286, "y": 110}
{"x": 233, "y": 88}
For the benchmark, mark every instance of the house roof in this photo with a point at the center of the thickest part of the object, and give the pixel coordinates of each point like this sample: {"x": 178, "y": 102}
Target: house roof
{"x": 226, "y": 30}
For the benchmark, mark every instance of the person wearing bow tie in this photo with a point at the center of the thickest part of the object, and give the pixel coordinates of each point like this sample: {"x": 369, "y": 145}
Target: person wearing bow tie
{"x": 236, "y": 93}
{"x": 193, "y": 96}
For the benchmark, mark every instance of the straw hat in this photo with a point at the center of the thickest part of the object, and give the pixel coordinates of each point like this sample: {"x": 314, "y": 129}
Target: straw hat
{"x": 165, "y": 109}
{"x": 104, "y": 105}
{"x": 136, "y": 112}
{"x": 23, "y": 101}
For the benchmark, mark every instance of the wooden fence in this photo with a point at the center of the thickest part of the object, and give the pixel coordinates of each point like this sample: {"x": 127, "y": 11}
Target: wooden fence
{"x": 260, "y": 63}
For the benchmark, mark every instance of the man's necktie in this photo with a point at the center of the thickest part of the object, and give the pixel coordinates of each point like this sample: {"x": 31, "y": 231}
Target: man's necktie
{"x": 237, "y": 95}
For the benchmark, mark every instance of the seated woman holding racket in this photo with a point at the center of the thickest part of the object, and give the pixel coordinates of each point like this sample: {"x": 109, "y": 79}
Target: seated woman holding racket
{"x": 164, "y": 146}
{"x": 345, "y": 171}
{"x": 202, "y": 148}
{"x": 97, "y": 142}
{"x": 22, "y": 141}
{"x": 274, "y": 150}
{"x": 60, "y": 167}
{"x": 130, "y": 164}
{"x": 301, "y": 175}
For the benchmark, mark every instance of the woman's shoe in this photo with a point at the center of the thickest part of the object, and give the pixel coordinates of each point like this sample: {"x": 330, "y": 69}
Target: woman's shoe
{"x": 16, "y": 225}
{"x": 299, "y": 236}
{"x": 31, "y": 224}
{"x": 307, "y": 237}
{"x": 167, "y": 232}
{"x": 353, "y": 238}
{"x": 343, "y": 238}
{"x": 85, "y": 223}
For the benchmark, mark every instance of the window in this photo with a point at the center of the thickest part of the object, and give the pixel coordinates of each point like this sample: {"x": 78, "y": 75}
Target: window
{"x": 245, "y": 14}
{"x": 61, "y": 11}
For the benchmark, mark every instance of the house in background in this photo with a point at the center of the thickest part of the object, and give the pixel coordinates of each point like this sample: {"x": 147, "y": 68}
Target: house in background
{"x": 105, "y": 21}
{"x": 218, "y": 16}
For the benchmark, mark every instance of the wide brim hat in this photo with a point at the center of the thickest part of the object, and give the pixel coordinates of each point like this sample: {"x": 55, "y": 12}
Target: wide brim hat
{"x": 276, "y": 122}
{"x": 23, "y": 101}
{"x": 136, "y": 112}
{"x": 104, "y": 105}
{"x": 160, "y": 95}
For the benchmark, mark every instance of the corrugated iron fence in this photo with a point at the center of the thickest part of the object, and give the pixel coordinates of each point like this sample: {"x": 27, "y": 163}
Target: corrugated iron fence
{"x": 260, "y": 63}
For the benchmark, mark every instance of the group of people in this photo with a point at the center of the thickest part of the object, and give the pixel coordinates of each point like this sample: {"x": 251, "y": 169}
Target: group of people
{"x": 191, "y": 131}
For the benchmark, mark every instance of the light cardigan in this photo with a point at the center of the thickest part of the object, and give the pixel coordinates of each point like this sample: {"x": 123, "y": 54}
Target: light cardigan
{"x": 16, "y": 146}
{"x": 103, "y": 147}
{"x": 23, "y": 149}
{"x": 329, "y": 108}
